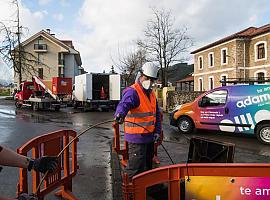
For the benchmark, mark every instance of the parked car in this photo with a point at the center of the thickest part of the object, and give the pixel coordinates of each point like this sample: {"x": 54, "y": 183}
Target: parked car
{"x": 238, "y": 109}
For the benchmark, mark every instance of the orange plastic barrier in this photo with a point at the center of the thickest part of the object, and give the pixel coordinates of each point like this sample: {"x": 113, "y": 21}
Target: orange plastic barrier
{"x": 124, "y": 151}
{"x": 117, "y": 145}
{"x": 50, "y": 145}
{"x": 174, "y": 174}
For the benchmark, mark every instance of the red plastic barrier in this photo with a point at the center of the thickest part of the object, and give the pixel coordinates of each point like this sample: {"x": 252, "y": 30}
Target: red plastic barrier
{"x": 50, "y": 145}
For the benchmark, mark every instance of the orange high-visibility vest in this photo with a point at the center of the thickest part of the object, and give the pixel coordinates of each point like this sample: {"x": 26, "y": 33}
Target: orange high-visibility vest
{"x": 144, "y": 114}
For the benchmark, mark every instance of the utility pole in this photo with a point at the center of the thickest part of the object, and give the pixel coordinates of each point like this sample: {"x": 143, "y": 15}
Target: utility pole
{"x": 19, "y": 43}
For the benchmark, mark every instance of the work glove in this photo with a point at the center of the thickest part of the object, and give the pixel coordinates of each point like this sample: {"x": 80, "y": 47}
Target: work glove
{"x": 25, "y": 196}
{"x": 119, "y": 119}
{"x": 44, "y": 164}
{"x": 157, "y": 138}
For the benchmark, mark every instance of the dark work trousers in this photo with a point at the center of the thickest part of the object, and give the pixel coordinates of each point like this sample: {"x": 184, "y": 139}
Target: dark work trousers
{"x": 140, "y": 158}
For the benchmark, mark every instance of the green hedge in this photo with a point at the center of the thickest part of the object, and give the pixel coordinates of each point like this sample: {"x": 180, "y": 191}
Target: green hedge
{"x": 4, "y": 93}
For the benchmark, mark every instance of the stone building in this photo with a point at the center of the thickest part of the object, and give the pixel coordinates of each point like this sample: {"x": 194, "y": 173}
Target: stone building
{"x": 241, "y": 56}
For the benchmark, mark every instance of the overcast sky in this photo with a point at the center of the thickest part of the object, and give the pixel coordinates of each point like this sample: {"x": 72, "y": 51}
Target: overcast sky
{"x": 100, "y": 29}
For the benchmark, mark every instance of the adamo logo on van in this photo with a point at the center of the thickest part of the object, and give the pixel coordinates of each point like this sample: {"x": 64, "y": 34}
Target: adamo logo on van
{"x": 250, "y": 100}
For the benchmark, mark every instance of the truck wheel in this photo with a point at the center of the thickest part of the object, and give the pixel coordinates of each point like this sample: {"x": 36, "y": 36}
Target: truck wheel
{"x": 105, "y": 109}
{"x": 263, "y": 133}
{"x": 35, "y": 106}
{"x": 85, "y": 109}
{"x": 57, "y": 108}
{"x": 17, "y": 104}
{"x": 75, "y": 105}
{"x": 185, "y": 125}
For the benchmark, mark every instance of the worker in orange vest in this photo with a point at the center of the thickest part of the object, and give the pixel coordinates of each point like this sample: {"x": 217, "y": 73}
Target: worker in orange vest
{"x": 139, "y": 105}
{"x": 11, "y": 158}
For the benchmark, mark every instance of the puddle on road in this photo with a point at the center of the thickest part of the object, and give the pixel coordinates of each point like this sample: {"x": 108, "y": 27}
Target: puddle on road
{"x": 264, "y": 153}
{"x": 38, "y": 118}
{"x": 7, "y": 113}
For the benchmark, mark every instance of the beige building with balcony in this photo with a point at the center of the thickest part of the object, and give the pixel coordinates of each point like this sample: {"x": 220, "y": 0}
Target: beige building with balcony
{"x": 242, "y": 56}
{"x": 53, "y": 57}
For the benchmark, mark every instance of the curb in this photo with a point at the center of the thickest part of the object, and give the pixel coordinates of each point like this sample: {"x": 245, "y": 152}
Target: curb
{"x": 116, "y": 175}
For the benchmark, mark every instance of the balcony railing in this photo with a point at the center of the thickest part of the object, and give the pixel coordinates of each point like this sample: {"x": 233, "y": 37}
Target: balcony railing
{"x": 40, "y": 47}
{"x": 248, "y": 80}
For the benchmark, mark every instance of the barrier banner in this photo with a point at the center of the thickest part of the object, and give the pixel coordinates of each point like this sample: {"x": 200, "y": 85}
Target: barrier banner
{"x": 225, "y": 188}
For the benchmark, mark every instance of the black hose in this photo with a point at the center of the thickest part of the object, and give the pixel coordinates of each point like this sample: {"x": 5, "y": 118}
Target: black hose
{"x": 167, "y": 153}
{"x": 84, "y": 131}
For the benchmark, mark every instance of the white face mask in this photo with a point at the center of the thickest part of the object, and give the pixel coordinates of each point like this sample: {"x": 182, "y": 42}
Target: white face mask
{"x": 147, "y": 84}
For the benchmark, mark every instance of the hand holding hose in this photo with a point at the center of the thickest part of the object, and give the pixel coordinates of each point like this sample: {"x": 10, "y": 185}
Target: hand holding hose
{"x": 157, "y": 137}
{"x": 119, "y": 119}
{"x": 44, "y": 164}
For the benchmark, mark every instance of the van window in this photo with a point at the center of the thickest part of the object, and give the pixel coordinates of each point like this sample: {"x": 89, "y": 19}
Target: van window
{"x": 215, "y": 98}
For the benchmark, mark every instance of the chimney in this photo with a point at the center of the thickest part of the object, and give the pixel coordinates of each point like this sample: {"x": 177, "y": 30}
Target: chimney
{"x": 48, "y": 30}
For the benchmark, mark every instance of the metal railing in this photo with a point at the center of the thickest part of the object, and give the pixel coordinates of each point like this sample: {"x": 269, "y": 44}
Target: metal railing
{"x": 40, "y": 47}
{"x": 248, "y": 80}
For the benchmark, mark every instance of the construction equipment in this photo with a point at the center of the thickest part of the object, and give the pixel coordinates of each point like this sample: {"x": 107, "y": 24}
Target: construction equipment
{"x": 42, "y": 94}
{"x": 97, "y": 90}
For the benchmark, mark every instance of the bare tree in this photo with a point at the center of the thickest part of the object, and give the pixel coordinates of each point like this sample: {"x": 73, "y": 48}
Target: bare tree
{"x": 11, "y": 49}
{"x": 130, "y": 64}
{"x": 163, "y": 42}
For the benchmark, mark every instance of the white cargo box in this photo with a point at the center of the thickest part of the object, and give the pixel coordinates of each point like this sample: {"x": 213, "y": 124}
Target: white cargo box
{"x": 97, "y": 86}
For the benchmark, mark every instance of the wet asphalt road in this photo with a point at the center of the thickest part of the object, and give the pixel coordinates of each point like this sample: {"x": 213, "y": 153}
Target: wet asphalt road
{"x": 93, "y": 180}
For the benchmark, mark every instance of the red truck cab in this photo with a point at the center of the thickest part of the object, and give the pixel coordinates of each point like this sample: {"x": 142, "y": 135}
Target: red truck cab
{"x": 25, "y": 91}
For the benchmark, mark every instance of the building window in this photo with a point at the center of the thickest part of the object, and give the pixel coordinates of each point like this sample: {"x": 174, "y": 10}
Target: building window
{"x": 200, "y": 62}
{"x": 224, "y": 54}
{"x": 38, "y": 59}
{"x": 223, "y": 79}
{"x": 260, "y": 76}
{"x": 40, "y": 73}
{"x": 61, "y": 60}
{"x": 40, "y": 40}
{"x": 211, "y": 82}
{"x": 200, "y": 84}
{"x": 260, "y": 51}
{"x": 211, "y": 59}
{"x": 60, "y": 72}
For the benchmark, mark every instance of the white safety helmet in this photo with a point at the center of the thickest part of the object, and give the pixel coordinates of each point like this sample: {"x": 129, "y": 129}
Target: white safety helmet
{"x": 150, "y": 70}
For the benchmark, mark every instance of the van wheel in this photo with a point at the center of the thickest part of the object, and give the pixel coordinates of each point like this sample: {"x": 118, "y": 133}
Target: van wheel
{"x": 263, "y": 133}
{"x": 185, "y": 125}
{"x": 75, "y": 105}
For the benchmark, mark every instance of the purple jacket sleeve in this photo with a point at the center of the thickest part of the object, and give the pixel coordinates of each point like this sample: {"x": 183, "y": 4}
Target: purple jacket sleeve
{"x": 158, "y": 121}
{"x": 130, "y": 100}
